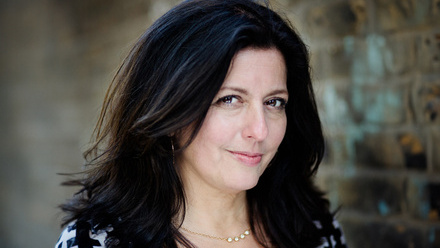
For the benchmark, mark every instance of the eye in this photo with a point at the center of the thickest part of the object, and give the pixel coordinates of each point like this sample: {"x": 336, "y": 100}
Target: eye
{"x": 278, "y": 103}
{"x": 228, "y": 100}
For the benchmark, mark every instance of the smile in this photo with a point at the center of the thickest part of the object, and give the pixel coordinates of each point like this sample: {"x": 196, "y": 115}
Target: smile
{"x": 247, "y": 158}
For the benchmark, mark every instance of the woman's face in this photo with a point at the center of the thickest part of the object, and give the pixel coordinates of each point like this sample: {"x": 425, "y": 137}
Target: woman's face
{"x": 243, "y": 127}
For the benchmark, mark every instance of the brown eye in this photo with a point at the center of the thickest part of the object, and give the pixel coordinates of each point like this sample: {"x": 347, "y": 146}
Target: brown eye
{"x": 228, "y": 100}
{"x": 279, "y": 103}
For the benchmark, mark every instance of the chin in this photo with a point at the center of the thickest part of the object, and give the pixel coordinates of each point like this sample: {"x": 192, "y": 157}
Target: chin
{"x": 244, "y": 184}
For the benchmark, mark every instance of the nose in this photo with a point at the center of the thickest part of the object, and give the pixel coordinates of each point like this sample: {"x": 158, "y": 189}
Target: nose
{"x": 255, "y": 124}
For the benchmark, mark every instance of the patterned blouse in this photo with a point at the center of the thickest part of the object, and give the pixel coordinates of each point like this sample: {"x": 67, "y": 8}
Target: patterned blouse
{"x": 329, "y": 229}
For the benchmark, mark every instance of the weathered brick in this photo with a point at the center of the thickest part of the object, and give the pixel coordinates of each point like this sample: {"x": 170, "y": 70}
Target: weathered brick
{"x": 89, "y": 16}
{"x": 374, "y": 233}
{"x": 377, "y": 58}
{"x": 428, "y": 47}
{"x": 399, "y": 55}
{"x": 392, "y": 150}
{"x": 336, "y": 18}
{"x": 368, "y": 60}
{"x": 335, "y": 62}
{"x": 427, "y": 103}
{"x": 336, "y": 115}
{"x": 435, "y": 149}
{"x": 385, "y": 104}
{"x": 334, "y": 104}
{"x": 434, "y": 237}
{"x": 319, "y": 68}
{"x": 435, "y": 9}
{"x": 338, "y": 152}
{"x": 402, "y": 14}
{"x": 434, "y": 200}
{"x": 413, "y": 147}
{"x": 372, "y": 194}
{"x": 423, "y": 198}
{"x": 379, "y": 150}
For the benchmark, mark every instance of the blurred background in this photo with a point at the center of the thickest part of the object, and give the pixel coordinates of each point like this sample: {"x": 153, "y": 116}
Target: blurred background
{"x": 376, "y": 68}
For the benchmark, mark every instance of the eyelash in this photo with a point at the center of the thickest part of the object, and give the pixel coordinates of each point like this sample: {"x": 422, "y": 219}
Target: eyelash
{"x": 228, "y": 100}
{"x": 282, "y": 103}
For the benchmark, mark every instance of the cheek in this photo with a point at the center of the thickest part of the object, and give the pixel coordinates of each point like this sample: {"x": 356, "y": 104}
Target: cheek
{"x": 217, "y": 129}
{"x": 279, "y": 130}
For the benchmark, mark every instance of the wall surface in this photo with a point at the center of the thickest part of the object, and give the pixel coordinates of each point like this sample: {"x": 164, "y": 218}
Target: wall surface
{"x": 376, "y": 67}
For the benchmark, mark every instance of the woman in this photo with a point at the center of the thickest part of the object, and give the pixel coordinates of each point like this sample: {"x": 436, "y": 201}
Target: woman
{"x": 208, "y": 137}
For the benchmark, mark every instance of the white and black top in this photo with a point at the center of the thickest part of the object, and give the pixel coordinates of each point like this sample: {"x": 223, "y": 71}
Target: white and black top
{"x": 329, "y": 229}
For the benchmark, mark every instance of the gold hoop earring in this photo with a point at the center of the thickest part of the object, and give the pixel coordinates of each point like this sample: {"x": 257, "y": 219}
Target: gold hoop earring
{"x": 172, "y": 149}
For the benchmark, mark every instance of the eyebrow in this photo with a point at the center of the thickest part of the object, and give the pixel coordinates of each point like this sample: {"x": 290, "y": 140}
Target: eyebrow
{"x": 245, "y": 92}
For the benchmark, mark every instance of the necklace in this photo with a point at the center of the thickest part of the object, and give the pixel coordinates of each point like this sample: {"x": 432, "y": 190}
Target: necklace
{"x": 243, "y": 235}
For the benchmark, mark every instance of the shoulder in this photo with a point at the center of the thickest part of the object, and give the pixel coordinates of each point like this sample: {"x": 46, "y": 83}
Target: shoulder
{"x": 72, "y": 237}
{"x": 330, "y": 232}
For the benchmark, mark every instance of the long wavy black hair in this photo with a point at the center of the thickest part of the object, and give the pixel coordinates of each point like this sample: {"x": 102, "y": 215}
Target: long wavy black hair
{"x": 168, "y": 82}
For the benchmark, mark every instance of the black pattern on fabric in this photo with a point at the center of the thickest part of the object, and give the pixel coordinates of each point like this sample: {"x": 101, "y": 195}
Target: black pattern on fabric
{"x": 80, "y": 235}
{"x": 83, "y": 236}
{"x": 331, "y": 233}
{"x": 83, "y": 233}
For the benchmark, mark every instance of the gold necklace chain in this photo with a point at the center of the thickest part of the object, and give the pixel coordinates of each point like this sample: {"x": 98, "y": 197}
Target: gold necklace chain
{"x": 243, "y": 235}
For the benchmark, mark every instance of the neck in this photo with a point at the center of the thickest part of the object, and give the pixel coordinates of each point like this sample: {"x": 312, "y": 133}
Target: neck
{"x": 215, "y": 212}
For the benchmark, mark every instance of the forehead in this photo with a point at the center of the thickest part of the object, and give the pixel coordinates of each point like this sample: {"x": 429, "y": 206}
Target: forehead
{"x": 257, "y": 66}
{"x": 268, "y": 54}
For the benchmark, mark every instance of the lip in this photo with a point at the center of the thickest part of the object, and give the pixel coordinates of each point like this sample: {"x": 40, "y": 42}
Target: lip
{"x": 248, "y": 158}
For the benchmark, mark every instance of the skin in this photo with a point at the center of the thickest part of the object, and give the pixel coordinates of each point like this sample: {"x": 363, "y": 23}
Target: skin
{"x": 239, "y": 137}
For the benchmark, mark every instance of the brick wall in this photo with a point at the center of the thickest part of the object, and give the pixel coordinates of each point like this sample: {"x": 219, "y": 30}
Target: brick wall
{"x": 56, "y": 60}
{"x": 376, "y": 66}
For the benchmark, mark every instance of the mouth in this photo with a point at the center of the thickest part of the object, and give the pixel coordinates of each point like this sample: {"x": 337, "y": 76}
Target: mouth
{"x": 247, "y": 158}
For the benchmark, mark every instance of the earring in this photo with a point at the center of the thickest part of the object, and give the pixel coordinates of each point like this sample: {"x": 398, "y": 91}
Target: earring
{"x": 172, "y": 148}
